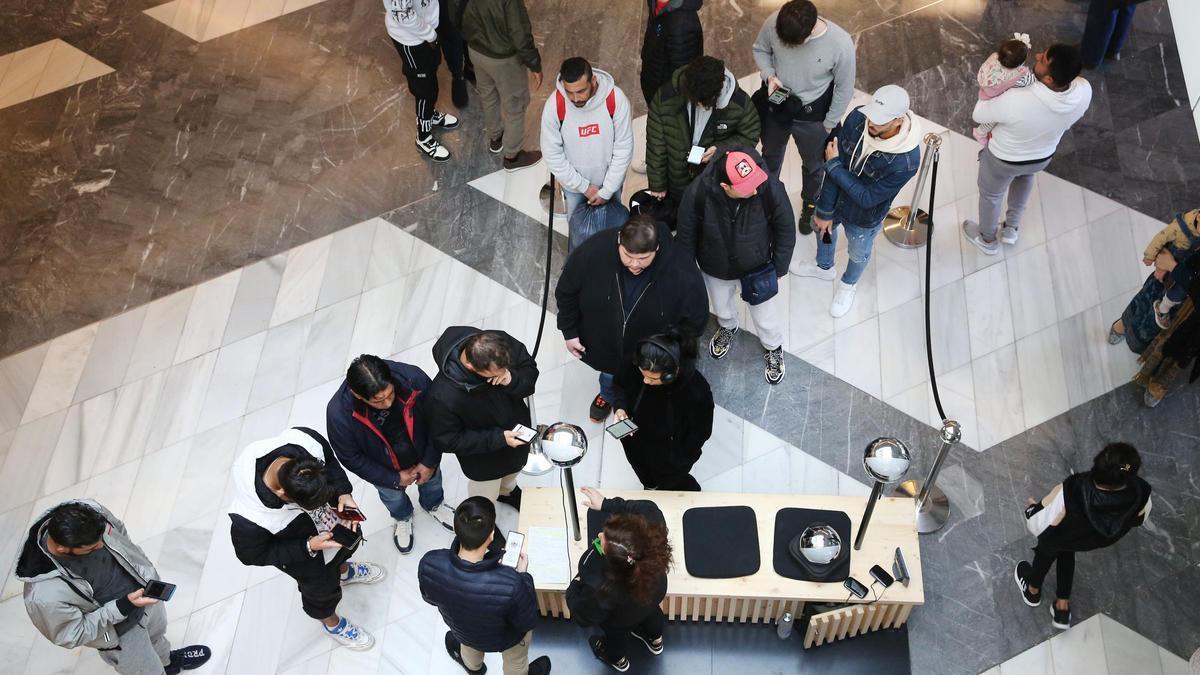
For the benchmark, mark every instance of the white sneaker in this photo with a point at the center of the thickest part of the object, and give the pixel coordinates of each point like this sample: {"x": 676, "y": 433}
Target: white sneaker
{"x": 808, "y": 268}
{"x": 362, "y": 573}
{"x": 843, "y": 300}
{"x": 1009, "y": 235}
{"x": 444, "y": 515}
{"x": 638, "y": 166}
{"x": 970, "y": 230}
{"x": 433, "y": 150}
{"x": 351, "y": 636}
{"x": 402, "y": 535}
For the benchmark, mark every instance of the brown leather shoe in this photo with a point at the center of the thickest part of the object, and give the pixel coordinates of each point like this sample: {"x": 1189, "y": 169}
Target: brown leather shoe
{"x": 523, "y": 160}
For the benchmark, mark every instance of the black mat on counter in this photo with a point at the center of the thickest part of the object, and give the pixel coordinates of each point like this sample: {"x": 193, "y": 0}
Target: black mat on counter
{"x": 791, "y": 522}
{"x": 720, "y": 542}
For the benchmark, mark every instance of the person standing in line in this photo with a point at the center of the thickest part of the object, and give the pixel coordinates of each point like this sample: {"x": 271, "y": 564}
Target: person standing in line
{"x": 813, "y": 59}
{"x": 672, "y": 404}
{"x": 454, "y": 51}
{"x": 501, "y": 47}
{"x": 588, "y": 143}
{"x": 380, "y": 432}
{"x": 1028, "y": 123}
{"x": 85, "y": 586}
{"x": 622, "y": 579}
{"x": 412, "y": 26}
{"x": 475, "y": 402}
{"x": 737, "y": 219}
{"x": 674, "y": 38}
{"x": 290, "y": 499}
{"x": 1108, "y": 24}
{"x": 620, "y": 286}
{"x": 871, "y": 157}
{"x": 1087, "y": 511}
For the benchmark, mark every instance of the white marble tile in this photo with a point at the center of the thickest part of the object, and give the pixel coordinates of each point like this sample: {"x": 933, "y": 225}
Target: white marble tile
{"x": 522, "y": 191}
{"x": 822, "y": 355}
{"x": 811, "y": 476}
{"x": 997, "y": 400}
{"x": 1036, "y": 660}
{"x": 1143, "y": 229}
{"x": 903, "y": 361}
{"x": 232, "y": 378}
{"x": 345, "y": 273}
{"x": 159, "y": 478}
{"x": 1126, "y": 651}
{"x": 18, "y": 373}
{"x": 1062, "y": 204}
{"x": 757, "y": 442}
{"x": 395, "y": 254}
{"x": 769, "y": 473}
{"x": 14, "y": 524}
{"x": 1172, "y": 664}
{"x": 182, "y": 398}
{"x": 849, "y": 486}
{"x": 1080, "y": 650}
{"x": 989, "y": 313}
{"x": 1031, "y": 291}
{"x": 318, "y": 665}
{"x": 301, "y": 281}
{"x": 1116, "y": 258}
{"x": 133, "y": 416}
{"x": 897, "y": 274}
{"x": 79, "y": 442}
{"x": 1085, "y": 355}
{"x": 1097, "y": 206}
{"x": 16, "y": 641}
{"x": 423, "y": 313}
{"x": 994, "y": 670}
{"x": 180, "y": 558}
{"x": 1043, "y": 380}
{"x": 264, "y": 423}
{"x": 949, "y": 332}
{"x": 379, "y": 312}
{"x": 255, "y": 298}
{"x": 263, "y": 606}
{"x": 409, "y": 643}
{"x": 28, "y": 456}
{"x": 159, "y": 337}
{"x": 946, "y": 254}
{"x": 957, "y": 390}
{"x": 729, "y": 481}
{"x": 857, "y": 357}
{"x": 55, "y": 386}
{"x": 110, "y": 354}
{"x": 207, "y": 488}
{"x": 723, "y": 451}
{"x": 325, "y": 354}
{"x": 1073, "y": 273}
{"x": 215, "y": 625}
{"x": 279, "y": 366}
{"x": 47, "y": 657}
{"x": 223, "y": 576}
{"x": 207, "y": 317}
{"x": 809, "y": 322}
{"x": 308, "y": 408}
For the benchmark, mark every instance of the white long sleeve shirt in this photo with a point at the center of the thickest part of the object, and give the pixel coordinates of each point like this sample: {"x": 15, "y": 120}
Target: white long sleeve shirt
{"x": 411, "y": 22}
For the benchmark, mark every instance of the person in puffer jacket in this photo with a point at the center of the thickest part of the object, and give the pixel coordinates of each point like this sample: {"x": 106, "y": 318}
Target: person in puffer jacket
{"x": 488, "y": 607}
{"x": 1087, "y": 511}
{"x": 674, "y": 38}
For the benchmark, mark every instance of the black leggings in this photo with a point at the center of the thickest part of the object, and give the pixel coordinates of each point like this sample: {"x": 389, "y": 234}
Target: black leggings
{"x": 1065, "y": 570}
{"x": 616, "y": 640}
{"x": 454, "y": 48}
{"x": 420, "y": 69}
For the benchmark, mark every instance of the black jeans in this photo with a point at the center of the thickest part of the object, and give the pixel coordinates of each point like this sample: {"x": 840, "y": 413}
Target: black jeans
{"x": 1043, "y": 558}
{"x": 658, "y": 472}
{"x": 810, "y": 144}
{"x": 420, "y": 70}
{"x": 616, "y": 640}
{"x": 454, "y": 48}
{"x": 320, "y": 585}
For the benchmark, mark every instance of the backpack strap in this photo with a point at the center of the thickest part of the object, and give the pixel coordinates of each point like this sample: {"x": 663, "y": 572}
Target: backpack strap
{"x": 560, "y": 105}
{"x": 611, "y": 102}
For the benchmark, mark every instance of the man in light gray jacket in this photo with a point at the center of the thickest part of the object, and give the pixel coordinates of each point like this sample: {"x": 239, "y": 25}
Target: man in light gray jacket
{"x": 85, "y": 585}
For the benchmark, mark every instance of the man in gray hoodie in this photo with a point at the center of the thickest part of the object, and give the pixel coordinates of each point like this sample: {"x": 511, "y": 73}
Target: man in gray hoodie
{"x": 85, "y": 585}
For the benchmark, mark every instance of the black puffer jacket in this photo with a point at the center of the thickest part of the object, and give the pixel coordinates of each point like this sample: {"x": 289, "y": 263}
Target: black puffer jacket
{"x": 468, "y": 417}
{"x": 593, "y": 605}
{"x": 673, "y": 38}
{"x": 486, "y": 605}
{"x": 591, "y": 303}
{"x": 760, "y": 227}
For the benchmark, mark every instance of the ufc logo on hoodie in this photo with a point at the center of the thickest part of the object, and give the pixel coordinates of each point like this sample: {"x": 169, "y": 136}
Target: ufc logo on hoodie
{"x": 589, "y": 130}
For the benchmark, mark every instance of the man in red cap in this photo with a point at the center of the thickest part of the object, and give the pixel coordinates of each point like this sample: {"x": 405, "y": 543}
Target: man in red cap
{"x": 737, "y": 220}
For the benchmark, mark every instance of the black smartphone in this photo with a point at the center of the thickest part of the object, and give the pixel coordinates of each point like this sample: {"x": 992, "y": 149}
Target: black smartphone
{"x": 344, "y": 535}
{"x": 879, "y": 574}
{"x": 855, "y": 587}
{"x": 160, "y": 590}
{"x": 352, "y": 514}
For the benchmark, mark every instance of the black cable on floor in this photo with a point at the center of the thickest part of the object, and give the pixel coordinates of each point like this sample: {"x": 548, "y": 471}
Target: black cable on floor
{"x": 937, "y": 399}
{"x": 537, "y": 343}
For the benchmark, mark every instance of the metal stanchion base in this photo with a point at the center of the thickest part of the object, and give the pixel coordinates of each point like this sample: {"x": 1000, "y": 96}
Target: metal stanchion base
{"x": 936, "y": 511}
{"x": 894, "y": 228}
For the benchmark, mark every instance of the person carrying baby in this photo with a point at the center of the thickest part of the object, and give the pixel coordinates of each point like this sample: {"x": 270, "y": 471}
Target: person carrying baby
{"x": 1004, "y": 69}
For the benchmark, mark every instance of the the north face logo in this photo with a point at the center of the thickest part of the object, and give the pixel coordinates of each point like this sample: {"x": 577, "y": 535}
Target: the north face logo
{"x": 743, "y": 168}
{"x": 722, "y": 126}
{"x": 589, "y": 130}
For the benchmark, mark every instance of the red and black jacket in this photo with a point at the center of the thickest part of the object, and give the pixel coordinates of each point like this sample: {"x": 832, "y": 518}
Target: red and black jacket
{"x": 364, "y": 448}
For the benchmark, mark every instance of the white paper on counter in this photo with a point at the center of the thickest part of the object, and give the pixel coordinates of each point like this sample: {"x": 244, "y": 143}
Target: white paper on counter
{"x": 547, "y": 552}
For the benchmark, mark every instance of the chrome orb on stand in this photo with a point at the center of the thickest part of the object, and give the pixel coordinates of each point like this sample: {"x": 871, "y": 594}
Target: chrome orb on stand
{"x": 820, "y": 544}
{"x": 886, "y": 460}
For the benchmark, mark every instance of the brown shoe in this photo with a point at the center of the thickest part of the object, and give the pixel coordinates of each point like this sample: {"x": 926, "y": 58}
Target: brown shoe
{"x": 523, "y": 160}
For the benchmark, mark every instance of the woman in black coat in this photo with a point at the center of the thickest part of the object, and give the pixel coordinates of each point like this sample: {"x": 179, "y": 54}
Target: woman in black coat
{"x": 622, "y": 578}
{"x": 672, "y": 405}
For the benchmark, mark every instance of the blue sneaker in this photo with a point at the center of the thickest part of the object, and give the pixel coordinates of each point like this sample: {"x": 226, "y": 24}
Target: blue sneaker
{"x": 363, "y": 573}
{"x": 351, "y": 636}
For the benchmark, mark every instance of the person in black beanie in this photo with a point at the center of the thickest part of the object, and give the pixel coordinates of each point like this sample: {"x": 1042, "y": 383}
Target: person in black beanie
{"x": 672, "y": 404}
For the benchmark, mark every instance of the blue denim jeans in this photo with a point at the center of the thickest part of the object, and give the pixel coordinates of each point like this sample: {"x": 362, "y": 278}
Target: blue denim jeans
{"x": 859, "y": 242}
{"x": 606, "y": 387}
{"x": 400, "y": 506}
{"x": 574, "y": 199}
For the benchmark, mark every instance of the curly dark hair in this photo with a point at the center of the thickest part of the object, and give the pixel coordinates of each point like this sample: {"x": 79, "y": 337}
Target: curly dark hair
{"x": 703, "y": 80}
{"x": 638, "y": 555}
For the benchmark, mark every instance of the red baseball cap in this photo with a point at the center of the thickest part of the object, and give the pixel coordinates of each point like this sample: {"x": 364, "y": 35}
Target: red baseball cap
{"x": 745, "y": 175}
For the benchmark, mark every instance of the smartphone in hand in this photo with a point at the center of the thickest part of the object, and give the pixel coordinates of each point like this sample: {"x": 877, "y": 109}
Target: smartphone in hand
{"x": 512, "y": 548}
{"x": 159, "y": 590}
{"x": 524, "y": 433}
{"x": 621, "y": 428}
{"x": 352, "y": 514}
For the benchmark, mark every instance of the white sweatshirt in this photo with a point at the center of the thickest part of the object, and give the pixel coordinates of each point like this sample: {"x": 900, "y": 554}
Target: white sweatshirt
{"x": 589, "y": 147}
{"x": 411, "y": 22}
{"x": 1030, "y": 121}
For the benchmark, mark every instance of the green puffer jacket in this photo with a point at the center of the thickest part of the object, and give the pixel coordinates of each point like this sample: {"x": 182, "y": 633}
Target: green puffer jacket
{"x": 669, "y": 134}
{"x": 499, "y": 29}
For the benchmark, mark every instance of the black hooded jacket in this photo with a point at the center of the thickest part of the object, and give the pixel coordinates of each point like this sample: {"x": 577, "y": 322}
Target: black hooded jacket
{"x": 592, "y": 306}
{"x": 468, "y": 417}
{"x": 674, "y": 37}
{"x": 674, "y": 420}
{"x": 1093, "y": 518}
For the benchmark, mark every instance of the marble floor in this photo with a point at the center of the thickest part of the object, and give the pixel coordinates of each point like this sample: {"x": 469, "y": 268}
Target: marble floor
{"x": 1097, "y": 646}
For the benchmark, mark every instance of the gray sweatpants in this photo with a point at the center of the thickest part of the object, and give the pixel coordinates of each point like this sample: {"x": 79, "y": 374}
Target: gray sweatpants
{"x": 997, "y": 177}
{"x": 144, "y": 650}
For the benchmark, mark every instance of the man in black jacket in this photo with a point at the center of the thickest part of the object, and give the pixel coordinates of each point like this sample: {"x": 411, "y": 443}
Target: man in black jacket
{"x": 476, "y": 400}
{"x": 379, "y": 431}
{"x": 737, "y": 219}
{"x": 674, "y": 38}
{"x": 619, "y": 287}
{"x": 289, "y": 498}
{"x": 489, "y": 607}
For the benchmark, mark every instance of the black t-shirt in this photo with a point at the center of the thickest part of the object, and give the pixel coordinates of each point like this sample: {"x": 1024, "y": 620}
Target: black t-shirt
{"x": 108, "y": 579}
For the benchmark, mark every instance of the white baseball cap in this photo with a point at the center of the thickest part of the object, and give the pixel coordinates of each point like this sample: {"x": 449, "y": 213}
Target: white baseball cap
{"x": 887, "y": 103}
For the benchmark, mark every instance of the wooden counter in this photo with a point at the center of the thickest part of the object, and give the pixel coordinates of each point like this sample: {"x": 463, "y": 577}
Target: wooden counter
{"x": 763, "y": 596}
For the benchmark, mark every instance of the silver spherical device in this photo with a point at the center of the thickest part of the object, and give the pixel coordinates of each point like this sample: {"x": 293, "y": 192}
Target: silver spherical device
{"x": 564, "y": 444}
{"x": 820, "y": 544}
{"x": 886, "y": 460}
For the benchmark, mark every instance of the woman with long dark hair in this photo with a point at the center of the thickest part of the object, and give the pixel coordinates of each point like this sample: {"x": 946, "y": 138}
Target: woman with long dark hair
{"x": 622, "y": 579}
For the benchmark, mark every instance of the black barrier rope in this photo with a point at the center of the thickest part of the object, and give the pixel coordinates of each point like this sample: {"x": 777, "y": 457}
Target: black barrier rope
{"x": 537, "y": 343}
{"x": 937, "y": 399}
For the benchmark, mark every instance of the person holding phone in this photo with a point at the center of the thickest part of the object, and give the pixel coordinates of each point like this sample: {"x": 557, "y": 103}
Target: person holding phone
{"x": 622, "y": 579}
{"x": 287, "y": 512}
{"x": 86, "y": 585}
{"x": 671, "y": 403}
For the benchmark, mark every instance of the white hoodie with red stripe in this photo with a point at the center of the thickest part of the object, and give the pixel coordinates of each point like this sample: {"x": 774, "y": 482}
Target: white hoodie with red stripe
{"x": 589, "y": 146}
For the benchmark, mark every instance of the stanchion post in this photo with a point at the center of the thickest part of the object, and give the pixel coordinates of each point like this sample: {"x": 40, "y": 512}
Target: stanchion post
{"x": 931, "y": 504}
{"x": 908, "y": 226}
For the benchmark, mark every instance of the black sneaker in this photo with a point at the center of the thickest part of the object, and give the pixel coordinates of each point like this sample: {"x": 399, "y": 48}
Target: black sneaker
{"x": 1060, "y": 618}
{"x": 454, "y": 649}
{"x": 458, "y": 93}
{"x": 523, "y": 160}
{"x": 188, "y": 658}
{"x": 597, "y": 644}
{"x": 598, "y": 411}
{"x": 540, "y": 666}
{"x": 775, "y": 369}
{"x": 721, "y": 341}
{"x": 432, "y": 149}
{"x": 655, "y": 646}
{"x": 513, "y": 498}
{"x": 496, "y": 145}
{"x": 804, "y": 224}
{"x": 1021, "y": 576}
